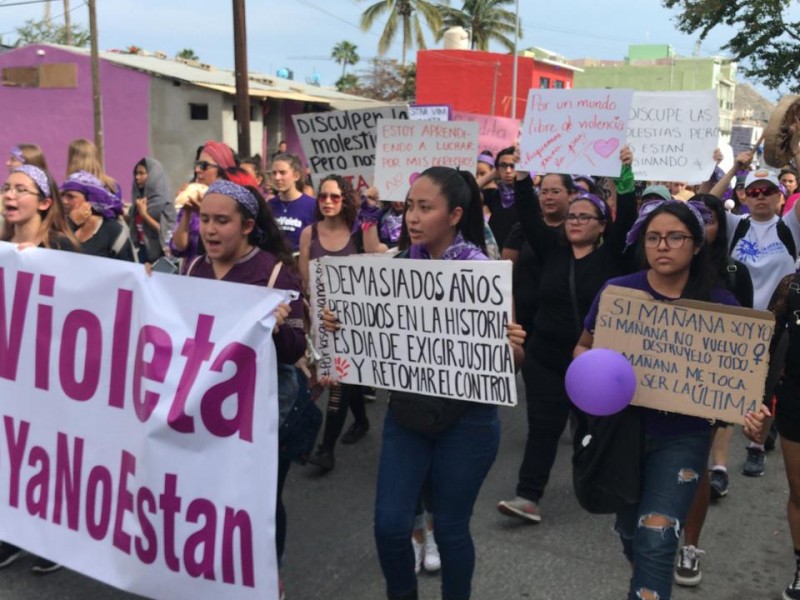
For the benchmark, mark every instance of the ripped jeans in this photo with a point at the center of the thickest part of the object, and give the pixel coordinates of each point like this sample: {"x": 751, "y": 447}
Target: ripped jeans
{"x": 650, "y": 530}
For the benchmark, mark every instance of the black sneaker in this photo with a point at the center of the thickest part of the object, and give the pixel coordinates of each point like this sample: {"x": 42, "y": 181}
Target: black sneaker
{"x": 9, "y": 553}
{"x": 793, "y": 591}
{"x": 323, "y": 459}
{"x": 719, "y": 484}
{"x": 754, "y": 465}
{"x": 687, "y": 569}
{"x": 356, "y": 432}
{"x": 42, "y": 566}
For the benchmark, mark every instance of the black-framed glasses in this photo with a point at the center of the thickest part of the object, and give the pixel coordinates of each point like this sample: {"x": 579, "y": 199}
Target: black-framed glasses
{"x": 204, "y": 165}
{"x": 582, "y": 218}
{"x": 674, "y": 240}
{"x": 501, "y": 166}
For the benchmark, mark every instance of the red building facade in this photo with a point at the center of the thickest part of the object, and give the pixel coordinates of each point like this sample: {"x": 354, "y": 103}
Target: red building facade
{"x": 481, "y": 82}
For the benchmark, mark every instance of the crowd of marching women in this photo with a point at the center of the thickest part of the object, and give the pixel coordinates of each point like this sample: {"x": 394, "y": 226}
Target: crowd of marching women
{"x": 732, "y": 240}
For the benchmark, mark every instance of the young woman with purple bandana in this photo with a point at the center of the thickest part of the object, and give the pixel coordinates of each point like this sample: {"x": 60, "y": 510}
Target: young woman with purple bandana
{"x": 576, "y": 261}
{"x": 33, "y": 218}
{"x": 93, "y": 214}
{"x": 670, "y": 235}
{"x": 26, "y": 154}
{"x": 443, "y": 221}
{"x": 244, "y": 245}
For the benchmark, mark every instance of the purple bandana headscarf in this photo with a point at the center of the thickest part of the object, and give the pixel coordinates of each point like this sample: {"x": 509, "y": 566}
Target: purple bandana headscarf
{"x": 599, "y": 204}
{"x": 507, "y": 197}
{"x": 39, "y": 178}
{"x": 698, "y": 209}
{"x": 233, "y": 190}
{"x": 104, "y": 203}
{"x": 486, "y": 158}
{"x": 16, "y": 153}
{"x": 460, "y": 249}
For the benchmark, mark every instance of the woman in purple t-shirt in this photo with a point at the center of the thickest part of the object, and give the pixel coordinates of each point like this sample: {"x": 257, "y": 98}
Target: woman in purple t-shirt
{"x": 671, "y": 236}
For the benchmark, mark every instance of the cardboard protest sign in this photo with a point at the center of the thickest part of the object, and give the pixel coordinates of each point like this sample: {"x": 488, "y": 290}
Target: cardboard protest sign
{"x": 429, "y": 112}
{"x": 695, "y": 358}
{"x": 430, "y": 326}
{"x": 406, "y": 148}
{"x": 139, "y": 425}
{"x": 343, "y": 142}
{"x": 494, "y": 133}
{"x": 673, "y": 135}
{"x": 574, "y": 131}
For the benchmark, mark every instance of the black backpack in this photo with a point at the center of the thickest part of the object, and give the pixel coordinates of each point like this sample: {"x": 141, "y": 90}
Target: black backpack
{"x": 784, "y": 235}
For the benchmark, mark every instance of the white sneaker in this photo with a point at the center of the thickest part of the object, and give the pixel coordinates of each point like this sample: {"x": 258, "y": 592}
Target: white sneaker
{"x": 419, "y": 547}
{"x": 433, "y": 561}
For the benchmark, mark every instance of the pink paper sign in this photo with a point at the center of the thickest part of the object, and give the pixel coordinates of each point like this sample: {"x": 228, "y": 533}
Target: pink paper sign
{"x": 575, "y": 131}
{"x": 494, "y": 133}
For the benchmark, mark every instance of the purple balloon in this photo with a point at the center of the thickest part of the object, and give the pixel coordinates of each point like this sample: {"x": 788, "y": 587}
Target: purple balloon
{"x": 601, "y": 382}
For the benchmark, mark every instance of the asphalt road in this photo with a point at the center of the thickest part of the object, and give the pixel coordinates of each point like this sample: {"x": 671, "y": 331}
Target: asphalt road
{"x": 571, "y": 555}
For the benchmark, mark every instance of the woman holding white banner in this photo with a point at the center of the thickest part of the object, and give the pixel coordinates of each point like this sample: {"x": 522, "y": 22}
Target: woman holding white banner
{"x": 33, "y": 218}
{"x": 443, "y": 221}
{"x": 244, "y": 245}
{"x": 336, "y": 214}
{"x": 670, "y": 234}
{"x": 576, "y": 261}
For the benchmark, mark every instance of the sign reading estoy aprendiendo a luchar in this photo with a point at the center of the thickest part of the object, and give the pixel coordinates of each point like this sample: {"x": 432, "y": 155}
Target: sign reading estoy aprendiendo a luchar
{"x": 574, "y": 131}
{"x": 695, "y": 358}
{"x": 429, "y": 326}
{"x": 406, "y": 148}
{"x": 343, "y": 142}
{"x": 673, "y": 135}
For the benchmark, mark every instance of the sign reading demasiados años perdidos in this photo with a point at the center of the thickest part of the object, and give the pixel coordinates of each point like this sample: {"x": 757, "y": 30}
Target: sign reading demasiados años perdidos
{"x": 431, "y": 326}
{"x": 695, "y": 358}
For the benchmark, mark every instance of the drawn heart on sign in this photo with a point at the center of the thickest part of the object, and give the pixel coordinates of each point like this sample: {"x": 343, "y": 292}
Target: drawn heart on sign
{"x": 412, "y": 178}
{"x": 605, "y": 148}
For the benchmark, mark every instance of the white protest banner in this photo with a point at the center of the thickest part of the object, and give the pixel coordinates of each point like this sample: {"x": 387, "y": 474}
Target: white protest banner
{"x": 673, "y": 135}
{"x": 429, "y": 112}
{"x": 406, "y": 148}
{"x": 574, "y": 131}
{"x": 744, "y": 137}
{"x": 695, "y": 358}
{"x": 495, "y": 133}
{"x": 437, "y": 327}
{"x": 343, "y": 142}
{"x": 139, "y": 425}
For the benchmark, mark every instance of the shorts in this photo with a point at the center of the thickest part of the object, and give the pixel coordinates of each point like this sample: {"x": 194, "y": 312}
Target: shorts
{"x": 787, "y": 410}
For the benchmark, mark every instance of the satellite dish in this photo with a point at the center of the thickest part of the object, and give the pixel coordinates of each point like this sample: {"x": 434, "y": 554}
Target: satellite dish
{"x": 285, "y": 73}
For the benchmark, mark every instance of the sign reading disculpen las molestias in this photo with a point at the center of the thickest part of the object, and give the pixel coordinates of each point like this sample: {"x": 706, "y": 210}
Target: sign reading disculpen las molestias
{"x": 406, "y": 148}
{"x": 694, "y": 358}
{"x": 343, "y": 142}
{"x": 673, "y": 135}
{"x": 574, "y": 131}
{"x": 430, "y": 326}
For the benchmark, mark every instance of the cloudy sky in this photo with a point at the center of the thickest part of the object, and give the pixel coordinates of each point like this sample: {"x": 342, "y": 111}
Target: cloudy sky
{"x": 300, "y": 34}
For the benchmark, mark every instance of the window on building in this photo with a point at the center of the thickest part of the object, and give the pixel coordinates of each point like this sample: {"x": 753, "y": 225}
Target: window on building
{"x": 544, "y": 82}
{"x": 559, "y": 85}
{"x": 198, "y": 112}
{"x": 49, "y": 75}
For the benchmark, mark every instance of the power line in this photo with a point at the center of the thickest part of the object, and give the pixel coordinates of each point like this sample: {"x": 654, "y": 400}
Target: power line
{"x": 6, "y": 5}
{"x": 330, "y": 14}
{"x": 71, "y": 10}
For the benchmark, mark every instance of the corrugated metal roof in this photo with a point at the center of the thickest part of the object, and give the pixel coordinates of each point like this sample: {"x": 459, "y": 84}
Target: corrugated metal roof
{"x": 207, "y": 75}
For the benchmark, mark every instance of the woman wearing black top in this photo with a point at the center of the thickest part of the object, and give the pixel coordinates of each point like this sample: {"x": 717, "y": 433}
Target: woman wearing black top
{"x": 575, "y": 265}
{"x": 501, "y": 200}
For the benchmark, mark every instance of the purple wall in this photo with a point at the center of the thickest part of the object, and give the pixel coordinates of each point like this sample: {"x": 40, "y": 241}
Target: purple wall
{"x": 54, "y": 117}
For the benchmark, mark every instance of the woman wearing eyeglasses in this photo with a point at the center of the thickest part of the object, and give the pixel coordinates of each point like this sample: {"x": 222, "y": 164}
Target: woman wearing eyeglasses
{"x": 332, "y": 235}
{"x": 500, "y": 201}
{"x": 576, "y": 261}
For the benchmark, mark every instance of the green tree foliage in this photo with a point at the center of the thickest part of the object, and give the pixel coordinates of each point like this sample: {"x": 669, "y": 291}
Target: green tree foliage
{"x": 49, "y": 32}
{"x": 348, "y": 83}
{"x": 767, "y": 43}
{"x": 187, "y": 54}
{"x": 488, "y": 20}
{"x": 406, "y": 15}
{"x": 345, "y": 53}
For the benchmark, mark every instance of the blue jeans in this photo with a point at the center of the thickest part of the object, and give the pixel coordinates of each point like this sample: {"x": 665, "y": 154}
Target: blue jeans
{"x": 457, "y": 462}
{"x": 650, "y": 530}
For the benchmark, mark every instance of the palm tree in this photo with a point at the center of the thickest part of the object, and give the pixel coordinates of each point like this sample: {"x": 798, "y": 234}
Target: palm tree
{"x": 406, "y": 13}
{"x": 488, "y": 20}
{"x": 345, "y": 54}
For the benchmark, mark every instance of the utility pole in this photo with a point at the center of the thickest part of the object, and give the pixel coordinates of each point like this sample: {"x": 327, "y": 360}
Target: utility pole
{"x": 242, "y": 77}
{"x": 98, "y": 106}
{"x": 67, "y": 23}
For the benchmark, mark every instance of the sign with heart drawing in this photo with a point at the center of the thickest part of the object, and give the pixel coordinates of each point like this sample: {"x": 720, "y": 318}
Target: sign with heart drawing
{"x": 575, "y": 131}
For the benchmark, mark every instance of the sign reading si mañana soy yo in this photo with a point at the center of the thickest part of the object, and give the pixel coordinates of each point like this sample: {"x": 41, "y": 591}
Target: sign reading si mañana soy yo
{"x": 695, "y": 358}
{"x": 430, "y": 326}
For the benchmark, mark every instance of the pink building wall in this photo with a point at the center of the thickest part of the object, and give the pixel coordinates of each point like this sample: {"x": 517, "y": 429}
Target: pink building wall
{"x": 53, "y": 117}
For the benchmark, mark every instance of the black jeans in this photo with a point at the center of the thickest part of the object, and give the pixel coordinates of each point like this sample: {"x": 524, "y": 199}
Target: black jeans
{"x": 342, "y": 397}
{"x": 548, "y": 413}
